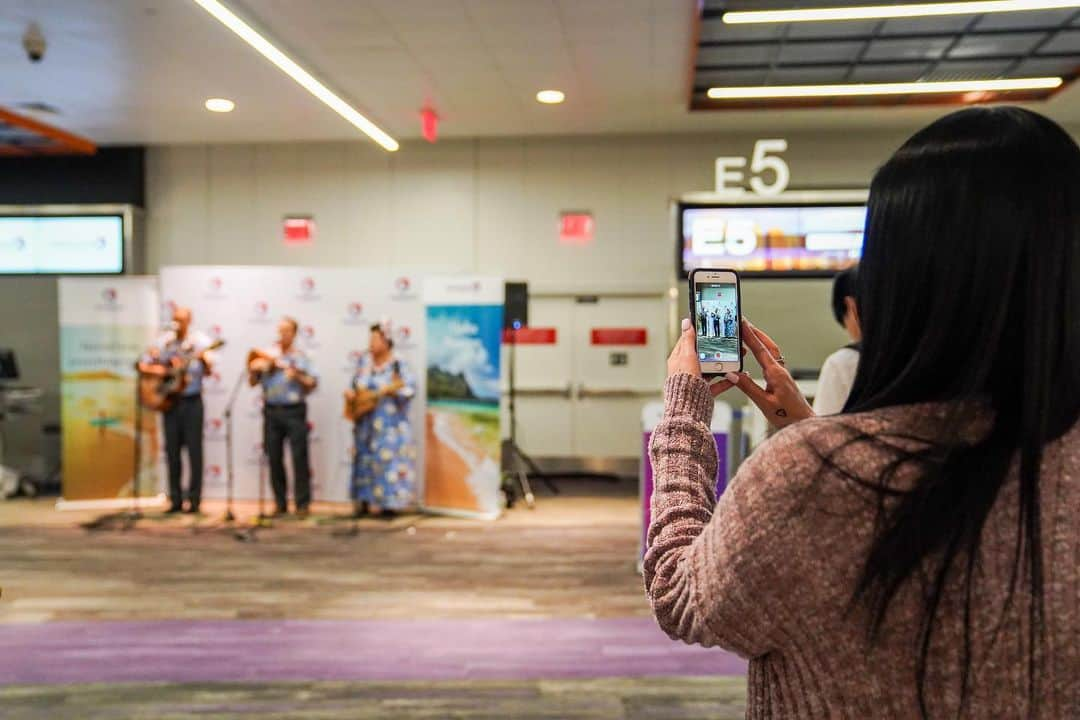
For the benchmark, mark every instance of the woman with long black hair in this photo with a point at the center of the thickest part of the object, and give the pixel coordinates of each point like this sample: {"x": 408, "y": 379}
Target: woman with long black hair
{"x": 919, "y": 554}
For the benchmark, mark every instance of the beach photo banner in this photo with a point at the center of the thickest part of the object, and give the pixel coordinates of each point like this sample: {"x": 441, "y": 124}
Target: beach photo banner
{"x": 105, "y": 323}
{"x": 464, "y": 317}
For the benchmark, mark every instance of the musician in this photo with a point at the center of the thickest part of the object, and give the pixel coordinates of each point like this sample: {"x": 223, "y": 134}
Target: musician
{"x": 287, "y": 378}
{"x": 384, "y": 466}
{"x": 184, "y": 420}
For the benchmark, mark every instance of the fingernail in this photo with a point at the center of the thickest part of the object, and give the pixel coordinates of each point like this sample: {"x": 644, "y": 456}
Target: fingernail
{"x": 732, "y": 378}
{"x": 685, "y": 324}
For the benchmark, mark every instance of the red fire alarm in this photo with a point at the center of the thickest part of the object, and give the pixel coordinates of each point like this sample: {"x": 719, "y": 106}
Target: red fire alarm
{"x": 429, "y": 124}
{"x": 299, "y": 230}
{"x": 576, "y": 228}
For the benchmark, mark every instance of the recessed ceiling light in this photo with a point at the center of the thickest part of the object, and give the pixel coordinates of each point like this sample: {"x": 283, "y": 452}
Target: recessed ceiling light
{"x": 291, "y": 68}
{"x": 857, "y": 89}
{"x": 550, "y": 97}
{"x": 882, "y": 12}
{"x": 220, "y": 105}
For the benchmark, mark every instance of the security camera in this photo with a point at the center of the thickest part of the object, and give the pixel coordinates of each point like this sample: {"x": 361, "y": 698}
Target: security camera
{"x": 34, "y": 43}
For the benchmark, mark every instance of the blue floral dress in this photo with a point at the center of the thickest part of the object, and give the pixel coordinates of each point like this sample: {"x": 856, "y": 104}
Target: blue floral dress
{"x": 384, "y": 467}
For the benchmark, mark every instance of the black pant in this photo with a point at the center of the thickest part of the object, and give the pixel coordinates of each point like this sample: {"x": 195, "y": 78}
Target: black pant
{"x": 281, "y": 422}
{"x": 184, "y": 428}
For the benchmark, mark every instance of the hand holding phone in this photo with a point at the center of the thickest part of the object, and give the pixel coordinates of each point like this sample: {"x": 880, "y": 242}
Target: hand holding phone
{"x": 716, "y": 311}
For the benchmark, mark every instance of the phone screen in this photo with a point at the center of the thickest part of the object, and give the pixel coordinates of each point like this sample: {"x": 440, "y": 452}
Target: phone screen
{"x": 716, "y": 312}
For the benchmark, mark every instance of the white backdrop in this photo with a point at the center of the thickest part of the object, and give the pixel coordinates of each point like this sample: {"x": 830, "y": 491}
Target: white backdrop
{"x": 334, "y": 308}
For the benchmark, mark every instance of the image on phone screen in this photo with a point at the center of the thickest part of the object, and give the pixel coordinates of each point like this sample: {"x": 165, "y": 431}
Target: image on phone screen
{"x": 716, "y": 310}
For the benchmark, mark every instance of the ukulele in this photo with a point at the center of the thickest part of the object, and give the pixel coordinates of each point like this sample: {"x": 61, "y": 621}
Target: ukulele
{"x": 160, "y": 393}
{"x": 362, "y": 401}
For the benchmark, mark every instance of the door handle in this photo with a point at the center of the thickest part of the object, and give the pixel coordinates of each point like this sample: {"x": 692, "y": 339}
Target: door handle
{"x": 614, "y": 393}
{"x": 536, "y": 392}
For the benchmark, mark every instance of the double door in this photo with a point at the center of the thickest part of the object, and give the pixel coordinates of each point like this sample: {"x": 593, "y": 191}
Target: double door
{"x": 581, "y": 396}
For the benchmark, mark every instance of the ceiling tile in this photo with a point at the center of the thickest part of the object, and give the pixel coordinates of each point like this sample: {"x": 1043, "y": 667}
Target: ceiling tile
{"x": 1024, "y": 20}
{"x": 1066, "y": 42}
{"x": 921, "y": 49}
{"x": 974, "y": 46}
{"x": 820, "y": 52}
{"x": 969, "y": 70}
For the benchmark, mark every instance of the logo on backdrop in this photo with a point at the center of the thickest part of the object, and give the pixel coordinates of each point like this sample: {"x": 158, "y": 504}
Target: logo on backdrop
{"x": 403, "y": 289}
{"x": 260, "y": 312}
{"x": 213, "y": 474}
{"x": 255, "y": 409}
{"x": 313, "y": 433}
{"x": 307, "y": 289}
{"x": 307, "y": 337}
{"x": 354, "y": 314}
{"x": 255, "y": 455}
{"x": 215, "y": 429}
{"x": 110, "y": 301}
{"x": 403, "y": 337}
{"x": 470, "y": 288}
{"x": 215, "y": 288}
{"x": 216, "y": 332}
{"x": 212, "y": 384}
{"x": 352, "y": 359}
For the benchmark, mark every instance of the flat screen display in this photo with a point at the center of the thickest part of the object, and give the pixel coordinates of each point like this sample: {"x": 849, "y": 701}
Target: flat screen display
{"x": 61, "y": 245}
{"x": 788, "y": 240}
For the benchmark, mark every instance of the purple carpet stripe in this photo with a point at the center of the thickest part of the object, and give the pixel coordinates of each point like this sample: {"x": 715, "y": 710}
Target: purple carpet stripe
{"x": 268, "y": 651}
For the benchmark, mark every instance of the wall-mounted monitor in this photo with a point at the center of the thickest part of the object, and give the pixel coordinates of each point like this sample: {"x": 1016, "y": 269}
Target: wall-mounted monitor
{"x": 62, "y": 244}
{"x": 801, "y": 235}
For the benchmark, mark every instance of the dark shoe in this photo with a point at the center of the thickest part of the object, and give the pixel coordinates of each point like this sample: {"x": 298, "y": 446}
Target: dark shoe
{"x": 360, "y": 509}
{"x": 388, "y": 514}
{"x": 174, "y": 510}
{"x": 192, "y": 510}
{"x": 278, "y": 512}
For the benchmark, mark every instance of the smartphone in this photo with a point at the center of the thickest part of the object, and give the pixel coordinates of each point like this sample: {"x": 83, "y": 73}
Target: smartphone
{"x": 715, "y": 310}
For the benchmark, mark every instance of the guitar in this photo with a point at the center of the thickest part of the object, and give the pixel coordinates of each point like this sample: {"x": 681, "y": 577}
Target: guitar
{"x": 160, "y": 393}
{"x": 362, "y": 401}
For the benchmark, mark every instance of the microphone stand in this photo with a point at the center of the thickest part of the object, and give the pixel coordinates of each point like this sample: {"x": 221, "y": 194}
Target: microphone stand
{"x": 229, "y": 464}
{"x": 262, "y": 520}
{"x": 128, "y": 518}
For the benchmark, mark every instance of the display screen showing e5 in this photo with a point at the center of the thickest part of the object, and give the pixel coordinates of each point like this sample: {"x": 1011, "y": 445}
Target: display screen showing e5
{"x": 715, "y": 310}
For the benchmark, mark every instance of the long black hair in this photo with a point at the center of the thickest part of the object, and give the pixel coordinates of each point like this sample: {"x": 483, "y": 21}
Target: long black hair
{"x": 969, "y": 296}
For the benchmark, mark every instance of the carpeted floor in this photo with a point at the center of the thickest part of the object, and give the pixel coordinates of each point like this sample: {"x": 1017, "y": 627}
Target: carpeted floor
{"x": 538, "y": 615}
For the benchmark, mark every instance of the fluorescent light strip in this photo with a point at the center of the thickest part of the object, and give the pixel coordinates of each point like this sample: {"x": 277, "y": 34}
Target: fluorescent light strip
{"x": 883, "y": 12}
{"x": 911, "y": 88}
{"x": 288, "y": 66}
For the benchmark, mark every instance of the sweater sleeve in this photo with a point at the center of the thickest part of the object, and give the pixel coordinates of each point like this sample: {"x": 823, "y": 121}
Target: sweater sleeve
{"x": 713, "y": 572}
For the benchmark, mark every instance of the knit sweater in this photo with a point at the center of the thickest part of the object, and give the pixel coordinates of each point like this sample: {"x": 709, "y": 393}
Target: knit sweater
{"x": 769, "y": 573}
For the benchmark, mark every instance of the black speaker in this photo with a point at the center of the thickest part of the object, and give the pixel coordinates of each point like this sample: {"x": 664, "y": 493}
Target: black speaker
{"x": 516, "y": 305}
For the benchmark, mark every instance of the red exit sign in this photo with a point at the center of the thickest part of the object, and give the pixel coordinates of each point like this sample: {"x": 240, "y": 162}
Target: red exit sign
{"x": 576, "y": 228}
{"x": 299, "y": 230}
{"x": 620, "y": 336}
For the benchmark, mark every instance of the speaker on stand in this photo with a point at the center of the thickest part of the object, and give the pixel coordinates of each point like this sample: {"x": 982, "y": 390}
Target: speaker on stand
{"x": 521, "y": 466}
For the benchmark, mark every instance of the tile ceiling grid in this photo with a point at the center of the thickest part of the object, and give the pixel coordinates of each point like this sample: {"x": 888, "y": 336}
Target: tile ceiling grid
{"x": 983, "y": 46}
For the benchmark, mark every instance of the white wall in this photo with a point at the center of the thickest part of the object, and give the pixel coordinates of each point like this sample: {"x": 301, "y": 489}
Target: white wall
{"x": 481, "y": 206}
{"x": 489, "y": 206}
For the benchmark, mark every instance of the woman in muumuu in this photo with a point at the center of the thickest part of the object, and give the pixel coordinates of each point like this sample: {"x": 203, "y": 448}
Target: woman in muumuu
{"x": 384, "y": 466}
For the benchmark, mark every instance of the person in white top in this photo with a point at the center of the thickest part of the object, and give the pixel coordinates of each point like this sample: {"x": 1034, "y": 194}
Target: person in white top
{"x": 838, "y": 372}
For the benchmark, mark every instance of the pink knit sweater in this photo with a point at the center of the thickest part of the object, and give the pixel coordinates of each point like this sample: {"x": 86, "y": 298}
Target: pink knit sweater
{"x": 769, "y": 572}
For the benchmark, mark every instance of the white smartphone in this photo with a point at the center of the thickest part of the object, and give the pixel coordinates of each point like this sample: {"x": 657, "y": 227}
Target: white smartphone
{"x": 715, "y": 309}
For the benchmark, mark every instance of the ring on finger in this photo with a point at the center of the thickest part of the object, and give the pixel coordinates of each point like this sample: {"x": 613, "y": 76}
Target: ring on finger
{"x": 781, "y": 360}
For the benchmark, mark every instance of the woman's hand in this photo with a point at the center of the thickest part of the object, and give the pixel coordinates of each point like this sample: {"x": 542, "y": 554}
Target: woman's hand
{"x": 684, "y": 358}
{"x": 780, "y": 400}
